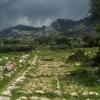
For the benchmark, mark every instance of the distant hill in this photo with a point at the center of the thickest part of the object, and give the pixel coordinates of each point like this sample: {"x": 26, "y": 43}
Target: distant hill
{"x": 60, "y": 27}
{"x": 63, "y": 25}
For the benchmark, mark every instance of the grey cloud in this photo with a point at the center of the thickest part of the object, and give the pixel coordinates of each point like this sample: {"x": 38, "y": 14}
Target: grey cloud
{"x": 38, "y": 12}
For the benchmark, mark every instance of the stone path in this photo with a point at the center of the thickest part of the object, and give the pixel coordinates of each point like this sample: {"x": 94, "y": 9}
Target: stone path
{"x": 4, "y": 98}
{"x": 58, "y": 91}
{"x": 42, "y": 82}
{"x": 47, "y": 81}
{"x": 12, "y": 85}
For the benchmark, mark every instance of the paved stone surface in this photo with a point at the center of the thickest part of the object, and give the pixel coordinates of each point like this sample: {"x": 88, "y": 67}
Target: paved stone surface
{"x": 7, "y": 92}
{"x": 4, "y": 98}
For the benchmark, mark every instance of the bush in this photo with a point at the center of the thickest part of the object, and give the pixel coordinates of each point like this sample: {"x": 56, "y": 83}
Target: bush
{"x": 97, "y": 28}
{"x": 96, "y": 59}
{"x": 90, "y": 41}
{"x": 18, "y": 48}
{"x": 79, "y": 56}
{"x": 58, "y": 47}
{"x": 95, "y": 62}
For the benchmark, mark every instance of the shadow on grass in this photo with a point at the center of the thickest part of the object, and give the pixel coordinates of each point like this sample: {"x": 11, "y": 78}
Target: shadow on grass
{"x": 82, "y": 77}
{"x": 16, "y": 94}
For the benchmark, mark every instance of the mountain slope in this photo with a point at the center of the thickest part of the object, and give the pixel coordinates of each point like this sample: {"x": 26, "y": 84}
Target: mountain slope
{"x": 63, "y": 25}
{"x": 60, "y": 27}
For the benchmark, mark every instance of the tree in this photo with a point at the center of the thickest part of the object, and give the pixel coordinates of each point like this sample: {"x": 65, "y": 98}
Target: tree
{"x": 95, "y": 8}
{"x": 97, "y": 28}
{"x": 89, "y": 40}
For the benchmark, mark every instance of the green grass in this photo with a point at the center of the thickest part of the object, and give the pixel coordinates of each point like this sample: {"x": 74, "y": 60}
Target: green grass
{"x": 51, "y": 66}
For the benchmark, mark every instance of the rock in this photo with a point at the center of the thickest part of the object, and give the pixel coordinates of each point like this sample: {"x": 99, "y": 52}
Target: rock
{"x": 42, "y": 92}
{"x": 23, "y": 98}
{"x": 4, "y": 98}
{"x": 9, "y": 66}
{"x": 94, "y": 93}
{"x": 11, "y": 88}
{"x": 87, "y": 99}
{"x": 88, "y": 94}
{"x": 7, "y": 93}
{"x": 34, "y": 98}
{"x": 58, "y": 93}
{"x": 18, "y": 99}
{"x": 22, "y": 61}
{"x": 8, "y": 75}
{"x": 20, "y": 79}
{"x": 74, "y": 94}
{"x": 44, "y": 98}
{"x": 25, "y": 56}
{"x": 77, "y": 64}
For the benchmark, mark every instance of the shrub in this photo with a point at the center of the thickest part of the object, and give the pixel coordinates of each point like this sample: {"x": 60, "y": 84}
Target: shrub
{"x": 96, "y": 59}
{"x": 90, "y": 41}
{"x": 59, "y": 47}
{"x": 18, "y": 48}
{"x": 97, "y": 28}
{"x": 79, "y": 56}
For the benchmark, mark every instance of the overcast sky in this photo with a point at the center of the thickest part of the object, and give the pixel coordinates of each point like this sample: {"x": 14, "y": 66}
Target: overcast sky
{"x": 40, "y": 12}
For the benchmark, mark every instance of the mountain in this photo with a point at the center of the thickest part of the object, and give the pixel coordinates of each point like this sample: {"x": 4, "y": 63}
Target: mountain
{"x": 23, "y": 31}
{"x": 20, "y": 31}
{"x": 59, "y": 27}
{"x": 70, "y": 27}
{"x": 63, "y": 25}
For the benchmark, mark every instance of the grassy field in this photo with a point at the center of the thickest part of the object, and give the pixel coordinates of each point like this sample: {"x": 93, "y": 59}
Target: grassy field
{"x": 45, "y": 75}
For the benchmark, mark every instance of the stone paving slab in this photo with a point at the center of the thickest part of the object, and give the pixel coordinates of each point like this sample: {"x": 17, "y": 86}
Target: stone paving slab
{"x": 4, "y": 98}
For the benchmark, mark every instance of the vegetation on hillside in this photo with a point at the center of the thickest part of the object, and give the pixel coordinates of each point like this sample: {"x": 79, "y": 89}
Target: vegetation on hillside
{"x": 79, "y": 56}
{"x": 95, "y": 8}
{"x": 54, "y": 68}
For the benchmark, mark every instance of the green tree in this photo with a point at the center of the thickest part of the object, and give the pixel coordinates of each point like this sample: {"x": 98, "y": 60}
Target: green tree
{"x": 97, "y": 28}
{"x": 95, "y": 8}
{"x": 89, "y": 40}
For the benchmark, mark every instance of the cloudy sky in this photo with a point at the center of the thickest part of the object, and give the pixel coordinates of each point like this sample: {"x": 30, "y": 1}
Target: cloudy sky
{"x": 40, "y": 12}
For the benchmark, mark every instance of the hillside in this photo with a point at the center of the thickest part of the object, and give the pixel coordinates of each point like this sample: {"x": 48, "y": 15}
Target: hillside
{"x": 60, "y": 27}
{"x": 44, "y": 75}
